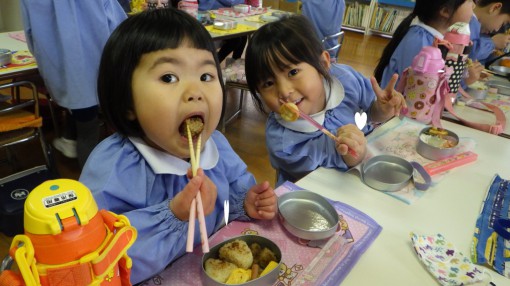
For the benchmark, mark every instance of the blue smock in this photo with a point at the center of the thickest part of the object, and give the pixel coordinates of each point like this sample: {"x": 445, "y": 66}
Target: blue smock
{"x": 67, "y": 40}
{"x": 128, "y": 177}
{"x": 326, "y": 16}
{"x": 418, "y": 36}
{"x": 297, "y": 148}
{"x": 205, "y": 5}
{"x": 483, "y": 46}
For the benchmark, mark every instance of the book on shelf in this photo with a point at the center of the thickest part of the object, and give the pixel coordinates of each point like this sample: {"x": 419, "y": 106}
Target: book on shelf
{"x": 401, "y": 15}
{"x": 355, "y": 13}
{"x": 387, "y": 19}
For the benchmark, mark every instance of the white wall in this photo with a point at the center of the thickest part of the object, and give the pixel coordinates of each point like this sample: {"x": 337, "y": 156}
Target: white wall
{"x": 10, "y": 16}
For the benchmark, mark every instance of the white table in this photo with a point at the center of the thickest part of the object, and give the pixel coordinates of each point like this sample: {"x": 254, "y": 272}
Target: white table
{"x": 480, "y": 116}
{"x": 450, "y": 208}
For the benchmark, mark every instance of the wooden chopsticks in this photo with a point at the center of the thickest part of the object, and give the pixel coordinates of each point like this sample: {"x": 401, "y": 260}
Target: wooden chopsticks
{"x": 488, "y": 71}
{"x": 196, "y": 204}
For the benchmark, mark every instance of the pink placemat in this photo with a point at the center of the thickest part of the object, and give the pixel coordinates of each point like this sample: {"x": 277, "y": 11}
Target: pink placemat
{"x": 20, "y": 36}
{"x": 301, "y": 264}
{"x": 401, "y": 141}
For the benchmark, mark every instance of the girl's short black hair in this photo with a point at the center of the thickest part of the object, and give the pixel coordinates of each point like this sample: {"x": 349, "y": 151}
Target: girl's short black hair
{"x": 293, "y": 40}
{"x": 140, "y": 34}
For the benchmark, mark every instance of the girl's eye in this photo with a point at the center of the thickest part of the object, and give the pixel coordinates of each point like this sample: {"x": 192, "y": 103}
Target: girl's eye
{"x": 206, "y": 77}
{"x": 168, "y": 78}
{"x": 293, "y": 72}
{"x": 267, "y": 84}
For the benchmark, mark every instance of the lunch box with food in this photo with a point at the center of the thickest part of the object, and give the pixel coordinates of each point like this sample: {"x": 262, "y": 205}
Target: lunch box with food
{"x": 248, "y": 260}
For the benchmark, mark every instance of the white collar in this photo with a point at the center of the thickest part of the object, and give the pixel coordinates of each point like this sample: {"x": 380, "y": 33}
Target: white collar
{"x": 164, "y": 163}
{"x": 433, "y": 31}
{"x": 333, "y": 98}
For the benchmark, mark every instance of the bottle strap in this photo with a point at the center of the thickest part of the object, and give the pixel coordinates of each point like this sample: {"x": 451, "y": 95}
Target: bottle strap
{"x": 124, "y": 235}
{"x": 495, "y": 128}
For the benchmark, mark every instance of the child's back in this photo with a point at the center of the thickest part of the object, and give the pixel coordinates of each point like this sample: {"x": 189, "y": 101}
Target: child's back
{"x": 429, "y": 20}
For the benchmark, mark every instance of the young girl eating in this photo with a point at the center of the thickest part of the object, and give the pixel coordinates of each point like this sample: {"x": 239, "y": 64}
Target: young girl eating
{"x": 158, "y": 69}
{"x": 286, "y": 63}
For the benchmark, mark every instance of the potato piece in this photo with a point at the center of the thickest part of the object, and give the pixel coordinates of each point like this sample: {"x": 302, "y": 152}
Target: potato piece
{"x": 264, "y": 257}
{"x": 289, "y": 111}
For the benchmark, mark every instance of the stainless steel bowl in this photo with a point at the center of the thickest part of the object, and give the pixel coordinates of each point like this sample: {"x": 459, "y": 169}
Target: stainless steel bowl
{"x": 268, "y": 279}
{"x": 386, "y": 173}
{"x": 307, "y": 215}
{"x": 242, "y": 8}
{"x": 268, "y": 18}
{"x": 502, "y": 86}
{"x": 477, "y": 93}
{"x": 225, "y": 24}
{"x": 431, "y": 151}
{"x": 501, "y": 70}
{"x": 5, "y": 57}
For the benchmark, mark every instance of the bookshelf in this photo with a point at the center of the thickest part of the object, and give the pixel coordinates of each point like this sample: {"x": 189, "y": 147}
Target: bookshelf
{"x": 379, "y": 17}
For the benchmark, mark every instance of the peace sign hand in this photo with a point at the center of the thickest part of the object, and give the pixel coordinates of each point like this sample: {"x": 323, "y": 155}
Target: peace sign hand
{"x": 389, "y": 101}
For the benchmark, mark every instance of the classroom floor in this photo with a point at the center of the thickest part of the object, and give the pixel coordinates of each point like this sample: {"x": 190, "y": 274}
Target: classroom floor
{"x": 245, "y": 133}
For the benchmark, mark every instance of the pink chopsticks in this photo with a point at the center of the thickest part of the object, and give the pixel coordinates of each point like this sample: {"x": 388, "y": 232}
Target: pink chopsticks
{"x": 196, "y": 204}
{"x": 320, "y": 127}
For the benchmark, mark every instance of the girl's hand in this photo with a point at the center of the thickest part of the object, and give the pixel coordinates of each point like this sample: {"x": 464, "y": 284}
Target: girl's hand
{"x": 389, "y": 101}
{"x": 181, "y": 203}
{"x": 349, "y": 136}
{"x": 261, "y": 202}
{"x": 501, "y": 40}
{"x": 474, "y": 72}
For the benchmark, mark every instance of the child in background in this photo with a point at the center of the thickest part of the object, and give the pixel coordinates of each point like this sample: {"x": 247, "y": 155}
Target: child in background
{"x": 430, "y": 19}
{"x": 234, "y": 45}
{"x": 488, "y": 17}
{"x": 285, "y": 61}
{"x": 326, "y": 16}
{"x": 158, "y": 69}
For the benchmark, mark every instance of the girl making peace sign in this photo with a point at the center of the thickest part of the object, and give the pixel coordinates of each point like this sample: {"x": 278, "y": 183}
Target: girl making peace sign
{"x": 285, "y": 62}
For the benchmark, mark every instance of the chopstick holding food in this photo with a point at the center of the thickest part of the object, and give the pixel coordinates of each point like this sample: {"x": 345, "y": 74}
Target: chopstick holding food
{"x": 196, "y": 203}
{"x": 290, "y": 112}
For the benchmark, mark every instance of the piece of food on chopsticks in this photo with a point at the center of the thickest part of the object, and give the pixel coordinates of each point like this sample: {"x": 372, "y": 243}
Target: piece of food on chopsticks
{"x": 195, "y": 124}
{"x": 196, "y": 203}
{"x": 289, "y": 111}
